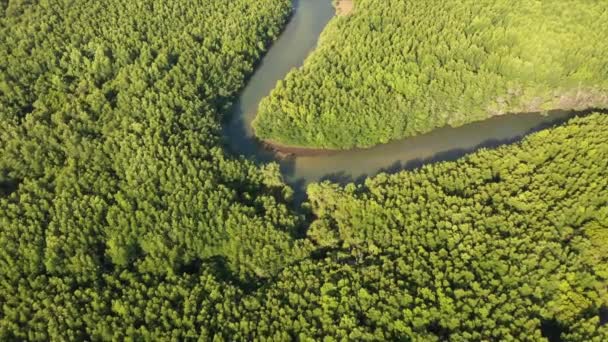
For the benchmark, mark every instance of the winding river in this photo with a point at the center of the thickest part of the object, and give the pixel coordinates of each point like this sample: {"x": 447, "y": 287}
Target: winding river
{"x": 289, "y": 51}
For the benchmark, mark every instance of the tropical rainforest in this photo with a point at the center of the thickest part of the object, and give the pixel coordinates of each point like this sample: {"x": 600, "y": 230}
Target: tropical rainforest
{"x": 398, "y": 68}
{"x": 123, "y": 218}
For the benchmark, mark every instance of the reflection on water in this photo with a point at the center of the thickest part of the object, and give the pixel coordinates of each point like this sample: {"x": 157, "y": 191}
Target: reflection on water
{"x": 439, "y": 145}
{"x": 289, "y": 51}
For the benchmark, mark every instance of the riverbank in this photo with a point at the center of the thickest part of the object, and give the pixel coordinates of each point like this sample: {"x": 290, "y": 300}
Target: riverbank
{"x": 301, "y": 166}
{"x": 285, "y": 151}
{"x": 344, "y": 7}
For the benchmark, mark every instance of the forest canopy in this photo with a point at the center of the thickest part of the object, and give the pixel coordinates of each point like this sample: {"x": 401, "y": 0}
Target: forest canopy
{"x": 122, "y": 218}
{"x": 111, "y": 166}
{"x": 505, "y": 244}
{"x": 398, "y": 68}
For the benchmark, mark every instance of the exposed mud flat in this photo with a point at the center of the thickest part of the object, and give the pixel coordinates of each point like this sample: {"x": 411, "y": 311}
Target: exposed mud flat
{"x": 344, "y": 7}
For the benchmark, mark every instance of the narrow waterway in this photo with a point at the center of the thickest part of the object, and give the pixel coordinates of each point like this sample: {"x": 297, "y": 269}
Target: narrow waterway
{"x": 289, "y": 51}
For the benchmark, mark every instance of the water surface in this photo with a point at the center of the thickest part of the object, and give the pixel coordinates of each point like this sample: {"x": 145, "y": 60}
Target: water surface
{"x": 289, "y": 51}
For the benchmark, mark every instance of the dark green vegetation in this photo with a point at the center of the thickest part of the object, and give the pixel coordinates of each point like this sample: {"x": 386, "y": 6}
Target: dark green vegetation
{"x": 491, "y": 247}
{"x": 398, "y": 68}
{"x": 113, "y": 183}
{"x": 112, "y": 131}
{"x": 121, "y": 217}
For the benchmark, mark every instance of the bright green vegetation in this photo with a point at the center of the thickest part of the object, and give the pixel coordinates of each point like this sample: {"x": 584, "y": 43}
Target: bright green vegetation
{"x": 122, "y": 218}
{"x": 112, "y": 179}
{"x": 398, "y": 68}
{"x": 482, "y": 249}
{"x": 112, "y": 132}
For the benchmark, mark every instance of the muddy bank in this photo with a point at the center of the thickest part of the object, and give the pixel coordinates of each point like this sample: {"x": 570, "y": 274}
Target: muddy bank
{"x": 285, "y": 151}
{"x": 344, "y": 7}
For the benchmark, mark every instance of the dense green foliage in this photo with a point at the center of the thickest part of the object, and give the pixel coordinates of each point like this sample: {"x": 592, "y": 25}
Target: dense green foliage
{"x": 397, "y": 68}
{"x": 484, "y": 248}
{"x": 112, "y": 132}
{"x": 111, "y": 170}
{"x": 121, "y": 218}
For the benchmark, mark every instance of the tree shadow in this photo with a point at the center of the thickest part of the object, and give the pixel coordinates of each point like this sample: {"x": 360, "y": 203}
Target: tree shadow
{"x": 8, "y": 186}
{"x": 551, "y": 330}
{"x": 299, "y": 192}
{"x": 343, "y": 178}
{"x": 220, "y": 268}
